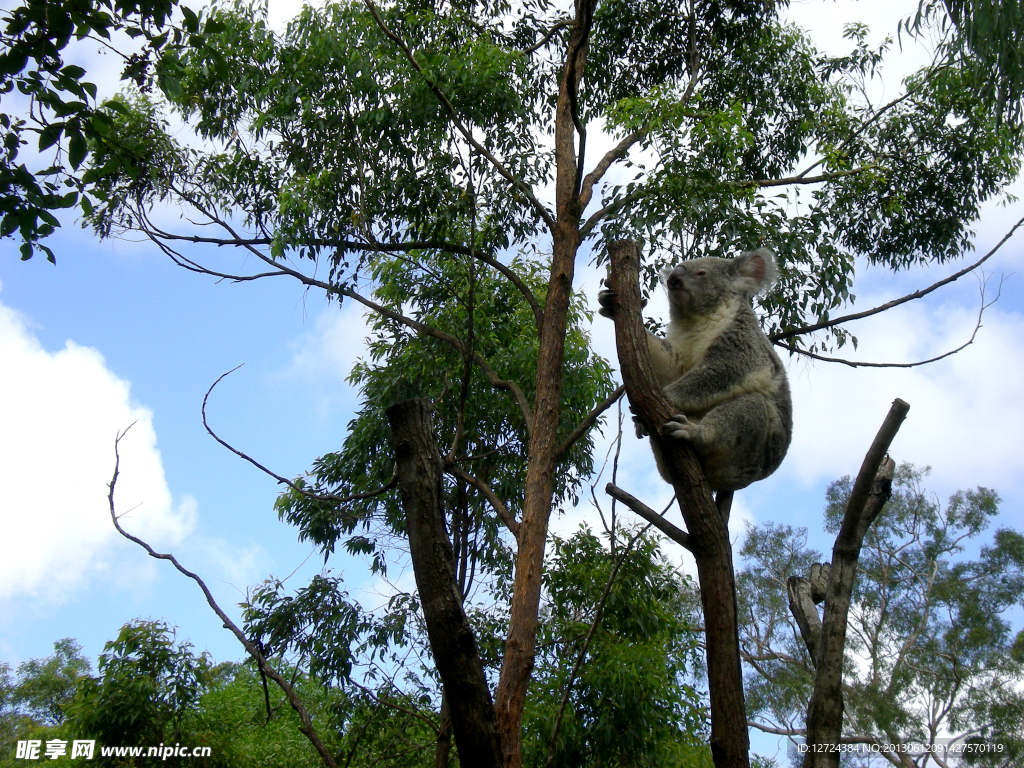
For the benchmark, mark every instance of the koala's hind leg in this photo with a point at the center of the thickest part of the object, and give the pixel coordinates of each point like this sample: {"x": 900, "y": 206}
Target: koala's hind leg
{"x": 735, "y": 441}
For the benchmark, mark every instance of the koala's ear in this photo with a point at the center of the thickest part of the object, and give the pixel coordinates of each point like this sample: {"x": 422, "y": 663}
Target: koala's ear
{"x": 756, "y": 270}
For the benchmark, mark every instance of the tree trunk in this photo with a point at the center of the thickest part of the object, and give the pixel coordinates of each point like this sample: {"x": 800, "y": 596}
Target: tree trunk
{"x": 871, "y": 490}
{"x": 707, "y": 528}
{"x": 521, "y": 642}
{"x": 452, "y": 644}
{"x": 443, "y": 748}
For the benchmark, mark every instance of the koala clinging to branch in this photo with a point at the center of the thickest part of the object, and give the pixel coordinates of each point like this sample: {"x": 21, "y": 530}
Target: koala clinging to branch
{"x": 719, "y": 369}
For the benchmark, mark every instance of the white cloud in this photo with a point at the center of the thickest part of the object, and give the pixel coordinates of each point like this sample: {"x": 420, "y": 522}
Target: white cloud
{"x": 59, "y": 414}
{"x": 324, "y": 357}
{"x": 966, "y": 412}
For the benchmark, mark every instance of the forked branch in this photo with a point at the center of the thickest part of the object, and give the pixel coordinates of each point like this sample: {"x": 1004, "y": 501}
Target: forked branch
{"x": 870, "y": 492}
{"x": 862, "y": 364}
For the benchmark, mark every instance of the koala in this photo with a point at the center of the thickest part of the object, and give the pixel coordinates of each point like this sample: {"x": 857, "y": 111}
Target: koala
{"x": 719, "y": 369}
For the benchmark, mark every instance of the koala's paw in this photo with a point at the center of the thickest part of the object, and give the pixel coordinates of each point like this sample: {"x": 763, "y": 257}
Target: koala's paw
{"x": 606, "y": 298}
{"x": 680, "y": 428}
{"x": 641, "y": 430}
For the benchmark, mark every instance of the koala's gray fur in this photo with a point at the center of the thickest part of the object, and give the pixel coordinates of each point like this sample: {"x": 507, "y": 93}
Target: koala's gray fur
{"x": 720, "y": 370}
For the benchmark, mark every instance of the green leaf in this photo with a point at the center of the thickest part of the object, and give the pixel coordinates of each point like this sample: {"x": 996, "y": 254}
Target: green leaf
{"x": 78, "y": 148}
{"x": 73, "y": 71}
{"x": 50, "y": 135}
{"x": 13, "y": 62}
{"x": 171, "y": 86}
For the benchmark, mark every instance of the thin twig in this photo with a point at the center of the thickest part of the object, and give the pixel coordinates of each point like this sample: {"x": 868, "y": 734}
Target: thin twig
{"x": 589, "y": 419}
{"x": 547, "y": 36}
{"x": 777, "y": 337}
{"x": 283, "y": 270}
{"x": 262, "y": 664}
{"x": 496, "y": 503}
{"x": 856, "y": 364}
{"x": 284, "y": 480}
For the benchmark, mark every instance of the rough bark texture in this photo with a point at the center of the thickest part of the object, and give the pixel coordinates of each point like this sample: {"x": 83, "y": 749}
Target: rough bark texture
{"x": 871, "y": 491}
{"x": 804, "y": 595}
{"x": 418, "y": 464}
{"x": 521, "y": 642}
{"x": 707, "y": 531}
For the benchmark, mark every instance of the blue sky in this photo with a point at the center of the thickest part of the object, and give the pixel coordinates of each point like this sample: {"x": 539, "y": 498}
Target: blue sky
{"x": 115, "y": 334}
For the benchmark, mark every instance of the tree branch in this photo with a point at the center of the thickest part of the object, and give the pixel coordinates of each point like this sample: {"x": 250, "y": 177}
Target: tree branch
{"x": 857, "y": 364}
{"x": 307, "y": 728}
{"x": 356, "y": 245}
{"x": 589, "y": 420}
{"x": 283, "y": 270}
{"x": 284, "y": 480}
{"x": 492, "y": 498}
{"x": 612, "y": 207}
{"x": 801, "y": 179}
{"x": 677, "y": 535}
{"x": 457, "y": 121}
{"x": 870, "y": 492}
{"x": 547, "y": 36}
{"x": 775, "y": 338}
{"x": 617, "y": 152}
{"x": 452, "y": 643}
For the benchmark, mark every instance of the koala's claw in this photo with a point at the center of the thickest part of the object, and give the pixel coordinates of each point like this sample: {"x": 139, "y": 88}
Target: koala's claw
{"x": 641, "y": 430}
{"x": 680, "y": 428}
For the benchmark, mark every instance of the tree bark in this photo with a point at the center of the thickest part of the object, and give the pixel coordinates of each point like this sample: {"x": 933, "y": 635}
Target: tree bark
{"x": 521, "y": 641}
{"x": 707, "y": 530}
{"x": 452, "y": 644}
{"x": 871, "y": 491}
{"x": 804, "y": 595}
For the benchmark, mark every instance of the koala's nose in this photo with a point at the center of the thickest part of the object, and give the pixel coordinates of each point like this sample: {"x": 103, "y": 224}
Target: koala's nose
{"x": 675, "y": 278}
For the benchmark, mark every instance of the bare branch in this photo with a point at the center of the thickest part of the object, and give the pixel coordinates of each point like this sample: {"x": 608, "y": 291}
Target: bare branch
{"x": 617, "y": 152}
{"x": 457, "y": 120}
{"x": 589, "y": 419}
{"x": 855, "y": 364}
{"x": 802, "y": 179}
{"x": 492, "y": 498}
{"x": 356, "y": 245}
{"x": 282, "y": 269}
{"x": 871, "y": 490}
{"x": 264, "y": 666}
{"x": 284, "y": 480}
{"x": 776, "y": 731}
{"x": 612, "y": 207}
{"x": 653, "y": 518}
{"x": 775, "y": 338}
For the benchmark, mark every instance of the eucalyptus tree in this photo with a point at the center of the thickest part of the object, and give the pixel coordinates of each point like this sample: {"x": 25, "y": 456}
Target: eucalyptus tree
{"x": 57, "y": 105}
{"x": 932, "y": 656}
{"x": 447, "y": 165}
